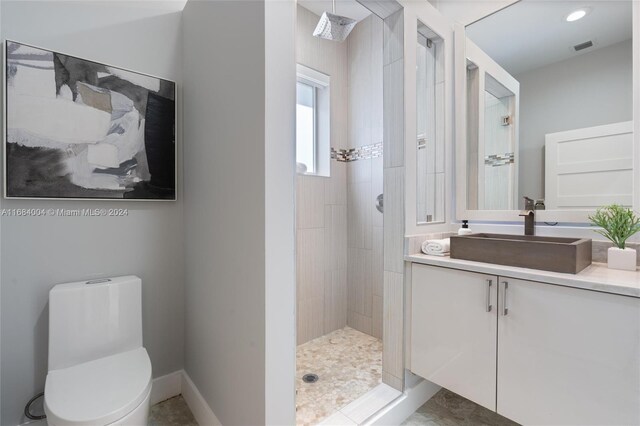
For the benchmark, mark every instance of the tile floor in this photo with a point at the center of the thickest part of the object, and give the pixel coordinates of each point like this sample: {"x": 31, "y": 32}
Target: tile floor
{"x": 172, "y": 412}
{"x": 348, "y": 363}
{"x": 444, "y": 409}
{"x": 448, "y": 409}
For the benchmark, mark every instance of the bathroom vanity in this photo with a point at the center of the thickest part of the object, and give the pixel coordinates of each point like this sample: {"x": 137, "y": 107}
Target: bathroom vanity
{"x": 536, "y": 347}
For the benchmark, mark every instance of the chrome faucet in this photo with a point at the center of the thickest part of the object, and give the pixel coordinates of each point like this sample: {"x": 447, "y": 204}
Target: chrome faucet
{"x": 528, "y": 214}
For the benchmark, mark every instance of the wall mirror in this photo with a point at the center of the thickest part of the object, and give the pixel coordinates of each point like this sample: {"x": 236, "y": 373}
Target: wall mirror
{"x": 430, "y": 126}
{"x": 548, "y": 110}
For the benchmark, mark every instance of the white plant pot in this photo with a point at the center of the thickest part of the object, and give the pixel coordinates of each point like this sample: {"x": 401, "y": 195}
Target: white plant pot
{"x": 621, "y": 259}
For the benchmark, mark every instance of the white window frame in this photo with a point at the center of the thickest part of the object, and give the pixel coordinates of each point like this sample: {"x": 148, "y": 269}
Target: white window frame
{"x": 322, "y": 127}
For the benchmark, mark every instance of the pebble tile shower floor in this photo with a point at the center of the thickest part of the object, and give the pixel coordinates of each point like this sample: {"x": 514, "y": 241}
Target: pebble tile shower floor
{"x": 348, "y": 364}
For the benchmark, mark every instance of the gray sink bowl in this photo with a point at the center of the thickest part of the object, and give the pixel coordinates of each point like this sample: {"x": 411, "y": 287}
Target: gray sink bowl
{"x": 569, "y": 255}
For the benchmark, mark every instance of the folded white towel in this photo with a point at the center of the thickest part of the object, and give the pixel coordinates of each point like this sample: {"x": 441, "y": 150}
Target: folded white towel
{"x": 436, "y": 247}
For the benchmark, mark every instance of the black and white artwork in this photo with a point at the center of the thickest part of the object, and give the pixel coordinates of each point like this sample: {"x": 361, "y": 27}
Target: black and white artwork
{"x": 81, "y": 129}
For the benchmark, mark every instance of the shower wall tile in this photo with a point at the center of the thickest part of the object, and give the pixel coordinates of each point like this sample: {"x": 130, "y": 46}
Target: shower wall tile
{"x": 335, "y": 238}
{"x": 391, "y": 380}
{"x": 394, "y": 219}
{"x": 310, "y": 325}
{"x": 377, "y": 188}
{"x": 335, "y": 300}
{"x": 310, "y": 263}
{"x": 364, "y": 52}
{"x": 408, "y": 289}
{"x": 364, "y": 176}
{"x": 359, "y": 322}
{"x": 310, "y": 202}
{"x": 359, "y": 221}
{"x": 377, "y": 326}
{"x": 335, "y": 188}
{"x": 377, "y": 76}
{"x": 321, "y": 202}
{"x": 377, "y": 268}
{"x": 359, "y": 46}
{"x": 394, "y": 114}
{"x": 392, "y": 361}
{"x": 393, "y": 38}
{"x": 359, "y": 171}
{"x": 360, "y": 288}
{"x": 393, "y": 232}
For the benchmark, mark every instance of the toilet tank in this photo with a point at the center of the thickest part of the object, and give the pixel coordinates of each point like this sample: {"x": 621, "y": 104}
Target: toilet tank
{"x": 93, "y": 319}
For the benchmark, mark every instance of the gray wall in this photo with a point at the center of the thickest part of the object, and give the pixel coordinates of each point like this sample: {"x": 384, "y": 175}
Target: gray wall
{"x": 589, "y": 90}
{"x": 224, "y": 124}
{"x": 38, "y": 252}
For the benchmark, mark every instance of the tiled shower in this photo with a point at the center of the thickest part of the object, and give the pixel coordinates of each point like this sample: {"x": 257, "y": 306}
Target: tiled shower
{"x": 339, "y": 231}
{"x": 339, "y": 222}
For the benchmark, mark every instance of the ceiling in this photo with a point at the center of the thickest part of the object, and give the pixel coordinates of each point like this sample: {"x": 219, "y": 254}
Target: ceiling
{"x": 531, "y": 34}
{"x": 349, "y": 8}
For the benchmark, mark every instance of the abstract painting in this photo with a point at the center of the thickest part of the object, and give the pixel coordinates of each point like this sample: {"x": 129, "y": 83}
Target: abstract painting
{"x": 82, "y": 129}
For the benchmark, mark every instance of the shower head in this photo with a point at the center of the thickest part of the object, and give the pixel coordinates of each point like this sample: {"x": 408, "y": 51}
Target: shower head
{"x": 334, "y": 27}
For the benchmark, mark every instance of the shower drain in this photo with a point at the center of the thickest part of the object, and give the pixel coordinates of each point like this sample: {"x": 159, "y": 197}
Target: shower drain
{"x": 310, "y": 378}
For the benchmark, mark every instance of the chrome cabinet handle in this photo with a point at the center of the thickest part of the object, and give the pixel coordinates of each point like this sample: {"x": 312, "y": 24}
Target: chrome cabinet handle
{"x": 505, "y": 309}
{"x": 489, "y": 284}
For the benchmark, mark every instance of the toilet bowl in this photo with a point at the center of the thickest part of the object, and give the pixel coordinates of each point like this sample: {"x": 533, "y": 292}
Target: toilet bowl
{"x": 99, "y": 372}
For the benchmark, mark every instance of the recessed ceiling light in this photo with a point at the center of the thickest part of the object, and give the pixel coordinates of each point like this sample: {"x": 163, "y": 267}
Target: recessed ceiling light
{"x": 576, "y": 14}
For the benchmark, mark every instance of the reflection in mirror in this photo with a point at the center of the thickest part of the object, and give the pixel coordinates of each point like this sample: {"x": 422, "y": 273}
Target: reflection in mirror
{"x": 549, "y": 111}
{"x": 430, "y": 126}
{"x": 492, "y": 140}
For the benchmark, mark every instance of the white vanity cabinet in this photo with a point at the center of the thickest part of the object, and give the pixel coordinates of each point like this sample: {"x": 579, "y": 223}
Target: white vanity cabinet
{"x": 454, "y": 331}
{"x": 544, "y": 354}
{"x": 567, "y": 356}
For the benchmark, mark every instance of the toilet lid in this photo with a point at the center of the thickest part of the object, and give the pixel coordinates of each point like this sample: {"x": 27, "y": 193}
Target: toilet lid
{"x": 98, "y": 392}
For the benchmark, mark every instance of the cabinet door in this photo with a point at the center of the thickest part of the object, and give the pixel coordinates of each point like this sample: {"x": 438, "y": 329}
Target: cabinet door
{"x": 453, "y": 331}
{"x": 567, "y": 356}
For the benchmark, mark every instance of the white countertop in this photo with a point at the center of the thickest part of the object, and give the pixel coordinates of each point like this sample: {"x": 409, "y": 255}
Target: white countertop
{"x": 596, "y": 277}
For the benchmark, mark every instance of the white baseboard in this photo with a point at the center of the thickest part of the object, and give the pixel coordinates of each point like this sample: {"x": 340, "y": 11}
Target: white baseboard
{"x": 199, "y": 407}
{"x": 166, "y": 387}
{"x": 403, "y": 407}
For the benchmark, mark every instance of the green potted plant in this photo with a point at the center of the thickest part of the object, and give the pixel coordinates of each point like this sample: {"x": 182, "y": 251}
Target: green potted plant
{"x": 618, "y": 224}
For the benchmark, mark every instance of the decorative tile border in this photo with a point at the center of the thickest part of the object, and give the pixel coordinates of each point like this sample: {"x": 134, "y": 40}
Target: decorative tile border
{"x": 499, "y": 159}
{"x": 353, "y": 154}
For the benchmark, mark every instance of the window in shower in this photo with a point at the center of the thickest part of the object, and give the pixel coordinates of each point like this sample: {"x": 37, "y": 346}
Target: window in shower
{"x": 313, "y": 151}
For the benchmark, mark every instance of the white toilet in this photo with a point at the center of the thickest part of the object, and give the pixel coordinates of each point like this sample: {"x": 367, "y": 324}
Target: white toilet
{"x": 99, "y": 373}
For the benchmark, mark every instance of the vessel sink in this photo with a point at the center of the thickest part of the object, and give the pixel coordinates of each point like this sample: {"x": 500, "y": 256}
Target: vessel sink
{"x": 569, "y": 255}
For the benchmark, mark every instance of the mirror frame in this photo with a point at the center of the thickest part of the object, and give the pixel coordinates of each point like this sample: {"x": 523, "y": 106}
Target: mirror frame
{"x": 560, "y": 215}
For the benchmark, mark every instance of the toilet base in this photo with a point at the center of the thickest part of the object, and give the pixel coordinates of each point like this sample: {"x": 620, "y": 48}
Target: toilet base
{"x": 138, "y": 417}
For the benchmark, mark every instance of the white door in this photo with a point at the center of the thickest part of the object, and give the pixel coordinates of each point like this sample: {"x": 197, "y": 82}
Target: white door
{"x": 567, "y": 356}
{"x": 589, "y": 167}
{"x": 453, "y": 331}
